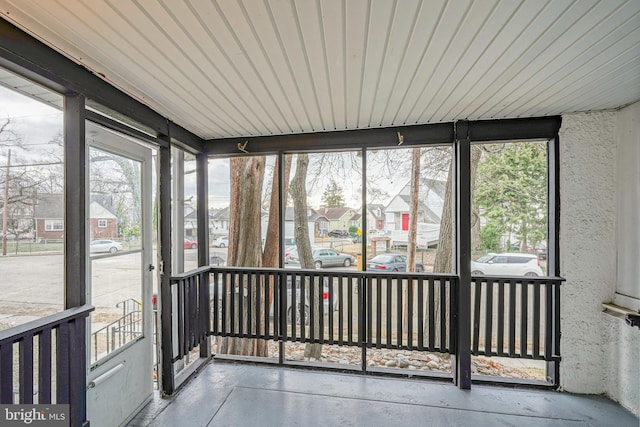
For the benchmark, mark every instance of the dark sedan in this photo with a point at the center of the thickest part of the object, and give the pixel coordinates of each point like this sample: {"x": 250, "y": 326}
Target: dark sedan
{"x": 391, "y": 262}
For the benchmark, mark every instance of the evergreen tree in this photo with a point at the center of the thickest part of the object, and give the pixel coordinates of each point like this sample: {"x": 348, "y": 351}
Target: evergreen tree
{"x": 332, "y": 196}
{"x": 511, "y": 191}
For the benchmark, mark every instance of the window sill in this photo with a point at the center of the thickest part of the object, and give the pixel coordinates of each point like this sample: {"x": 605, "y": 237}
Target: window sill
{"x": 616, "y": 311}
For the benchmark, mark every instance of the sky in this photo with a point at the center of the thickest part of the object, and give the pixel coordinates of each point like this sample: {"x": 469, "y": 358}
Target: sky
{"x": 37, "y": 123}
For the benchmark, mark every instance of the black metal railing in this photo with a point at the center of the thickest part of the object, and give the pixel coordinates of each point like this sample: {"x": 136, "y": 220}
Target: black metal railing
{"x": 411, "y": 311}
{"x": 190, "y": 311}
{"x": 48, "y": 358}
{"x": 517, "y": 317}
{"x": 381, "y": 310}
{"x": 127, "y": 328}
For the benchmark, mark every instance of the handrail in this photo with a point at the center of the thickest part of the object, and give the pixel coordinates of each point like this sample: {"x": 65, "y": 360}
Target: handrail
{"x": 34, "y": 326}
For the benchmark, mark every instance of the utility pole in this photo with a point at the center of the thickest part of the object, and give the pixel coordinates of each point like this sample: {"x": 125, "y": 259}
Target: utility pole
{"x": 5, "y": 208}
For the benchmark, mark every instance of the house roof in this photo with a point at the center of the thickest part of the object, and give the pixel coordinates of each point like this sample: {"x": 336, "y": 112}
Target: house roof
{"x": 334, "y": 214}
{"x": 428, "y": 187}
{"x": 236, "y": 69}
{"x": 96, "y": 210}
{"x": 373, "y": 208}
{"x": 49, "y": 206}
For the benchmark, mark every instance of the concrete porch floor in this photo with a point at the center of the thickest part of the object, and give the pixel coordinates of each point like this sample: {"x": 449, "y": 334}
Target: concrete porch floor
{"x": 243, "y": 394}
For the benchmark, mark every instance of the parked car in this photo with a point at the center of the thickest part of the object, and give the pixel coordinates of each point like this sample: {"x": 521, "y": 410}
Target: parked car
{"x": 189, "y": 243}
{"x": 216, "y": 260}
{"x": 507, "y": 264}
{"x": 391, "y": 262}
{"x": 291, "y": 253}
{"x": 104, "y": 246}
{"x": 542, "y": 252}
{"x": 325, "y": 257}
{"x": 221, "y": 242}
{"x": 338, "y": 233}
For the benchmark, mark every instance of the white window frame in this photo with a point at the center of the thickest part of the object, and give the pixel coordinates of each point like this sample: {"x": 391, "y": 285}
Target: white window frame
{"x": 50, "y": 225}
{"x": 102, "y": 223}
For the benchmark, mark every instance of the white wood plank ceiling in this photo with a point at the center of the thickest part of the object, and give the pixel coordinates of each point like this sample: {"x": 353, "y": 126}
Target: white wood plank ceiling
{"x": 231, "y": 68}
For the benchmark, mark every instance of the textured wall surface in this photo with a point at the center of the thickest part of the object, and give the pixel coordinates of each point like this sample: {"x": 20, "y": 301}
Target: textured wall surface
{"x": 587, "y": 245}
{"x": 600, "y": 353}
{"x": 623, "y": 342}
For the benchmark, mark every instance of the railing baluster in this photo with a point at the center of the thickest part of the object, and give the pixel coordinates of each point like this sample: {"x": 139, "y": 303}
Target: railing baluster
{"x": 62, "y": 363}
{"x": 488, "y": 322}
{"x": 313, "y": 293}
{"x": 432, "y": 315}
{"x": 536, "y": 319}
{"x": 477, "y": 297}
{"x": 378, "y": 311}
{"x": 524, "y": 317}
{"x": 398, "y": 310}
{"x": 556, "y": 319}
{"x": 421, "y": 314}
{"x": 548, "y": 330}
{"x": 368, "y": 311}
{"x": 331, "y": 309}
{"x": 512, "y": 318}
{"x": 410, "y": 284}
{"x": 501, "y": 309}
{"x": 260, "y": 303}
{"x": 452, "y": 286}
{"x": 292, "y": 288}
{"x": 350, "y": 311}
{"x": 387, "y": 283}
{"x": 6, "y": 373}
{"x": 44, "y": 366}
{"x": 244, "y": 285}
{"x": 26, "y": 369}
{"x": 301, "y": 306}
{"x": 341, "y": 311}
{"x": 443, "y": 314}
{"x": 223, "y": 303}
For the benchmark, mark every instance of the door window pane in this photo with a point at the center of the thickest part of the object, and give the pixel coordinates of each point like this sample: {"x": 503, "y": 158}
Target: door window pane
{"x": 115, "y": 234}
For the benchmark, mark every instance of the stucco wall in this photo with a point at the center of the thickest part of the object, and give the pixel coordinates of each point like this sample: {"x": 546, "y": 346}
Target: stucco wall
{"x": 598, "y": 354}
{"x": 622, "y": 367}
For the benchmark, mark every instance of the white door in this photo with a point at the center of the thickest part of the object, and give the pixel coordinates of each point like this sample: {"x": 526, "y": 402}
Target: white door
{"x": 120, "y": 377}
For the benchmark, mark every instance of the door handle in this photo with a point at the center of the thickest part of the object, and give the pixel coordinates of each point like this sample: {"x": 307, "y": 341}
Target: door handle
{"x": 151, "y": 267}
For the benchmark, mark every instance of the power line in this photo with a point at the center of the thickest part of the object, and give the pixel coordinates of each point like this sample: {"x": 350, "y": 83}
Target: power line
{"x": 33, "y": 164}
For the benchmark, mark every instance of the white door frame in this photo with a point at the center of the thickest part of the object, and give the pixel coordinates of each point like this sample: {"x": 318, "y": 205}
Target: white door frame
{"x": 121, "y": 383}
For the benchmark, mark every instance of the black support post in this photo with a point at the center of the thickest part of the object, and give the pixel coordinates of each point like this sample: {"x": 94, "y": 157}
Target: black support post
{"x": 202, "y": 172}
{"x": 164, "y": 226}
{"x": 282, "y": 291}
{"x": 75, "y": 208}
{"x": 462, "y": 372}
{"x": 202, "y": 190}
{"x": 553, "y": 235}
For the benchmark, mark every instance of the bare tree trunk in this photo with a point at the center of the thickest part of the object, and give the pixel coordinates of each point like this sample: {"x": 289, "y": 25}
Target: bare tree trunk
{"x": 443, "y": 262}
{"x": 413, "y": 227}
{"x": 247, "y": 174}
{"x": 298, "y": 190}
{"x": 272, "y": 239}
{"x": 270, "y": 254}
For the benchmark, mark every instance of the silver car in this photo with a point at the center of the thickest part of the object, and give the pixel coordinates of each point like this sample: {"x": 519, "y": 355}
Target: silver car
{"x": 104, "y": 246}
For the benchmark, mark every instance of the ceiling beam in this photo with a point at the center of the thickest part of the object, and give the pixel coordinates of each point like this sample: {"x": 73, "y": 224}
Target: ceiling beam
{"x": 405, "y": 136}
{"x": 27, "y": 56}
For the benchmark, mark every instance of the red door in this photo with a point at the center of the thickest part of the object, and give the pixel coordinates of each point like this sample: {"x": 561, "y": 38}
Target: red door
{"x": 405, "y": 221}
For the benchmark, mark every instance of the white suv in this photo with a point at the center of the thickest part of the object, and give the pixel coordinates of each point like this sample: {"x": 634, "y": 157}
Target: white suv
{"x": 507, "y": 264}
